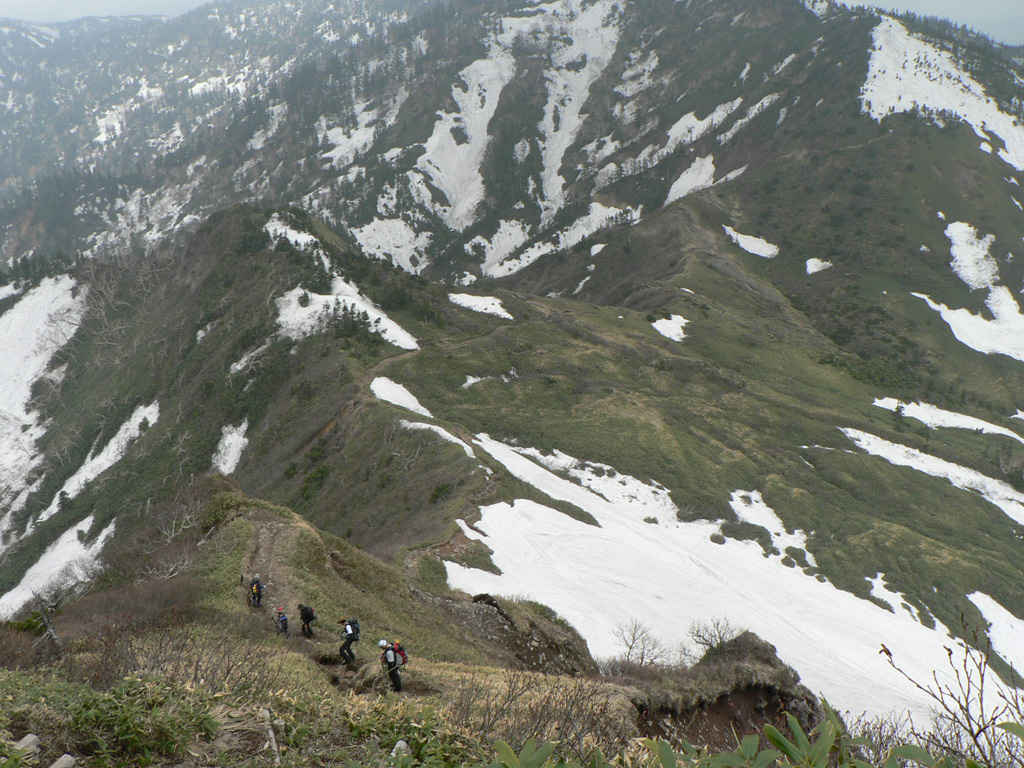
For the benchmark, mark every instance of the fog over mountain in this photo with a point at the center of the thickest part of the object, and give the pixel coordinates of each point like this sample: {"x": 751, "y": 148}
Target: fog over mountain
{"x": 1002, "y": 19}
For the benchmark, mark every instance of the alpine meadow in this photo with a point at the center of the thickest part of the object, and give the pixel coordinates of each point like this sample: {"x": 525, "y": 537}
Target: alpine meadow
{"x": 651, "y": 371}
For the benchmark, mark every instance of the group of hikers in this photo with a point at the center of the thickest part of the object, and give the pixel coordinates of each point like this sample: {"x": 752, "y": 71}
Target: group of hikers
{"x": 392, "y": 657}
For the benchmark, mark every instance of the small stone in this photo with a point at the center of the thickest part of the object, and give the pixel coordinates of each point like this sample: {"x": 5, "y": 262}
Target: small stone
{"x": 29, "y": 743}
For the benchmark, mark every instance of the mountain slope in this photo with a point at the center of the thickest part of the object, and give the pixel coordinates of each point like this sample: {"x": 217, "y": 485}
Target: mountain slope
{"x": 736, "y": 297}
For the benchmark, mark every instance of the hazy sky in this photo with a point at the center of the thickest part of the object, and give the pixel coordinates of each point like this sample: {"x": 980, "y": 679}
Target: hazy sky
{"x": 1003, "y": 19}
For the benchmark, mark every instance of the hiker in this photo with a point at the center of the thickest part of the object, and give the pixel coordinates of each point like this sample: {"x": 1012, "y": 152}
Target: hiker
{"x": 306, "y": 615}
{"x": 282, "y": 621}
{"x": 256, "y": 591}
{"x": 390, "y": 660}
{"x": 350, "y": 635}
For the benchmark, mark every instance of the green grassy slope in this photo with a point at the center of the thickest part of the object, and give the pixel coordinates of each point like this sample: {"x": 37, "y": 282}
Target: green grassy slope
{"x": 752, "y": 399}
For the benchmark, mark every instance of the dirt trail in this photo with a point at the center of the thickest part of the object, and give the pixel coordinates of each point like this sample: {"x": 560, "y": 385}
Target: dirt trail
{"x": 274, "y": 539}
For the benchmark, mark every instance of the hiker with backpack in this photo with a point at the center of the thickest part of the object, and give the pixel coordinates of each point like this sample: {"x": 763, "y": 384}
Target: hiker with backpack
{"x": 350, "y": 634}
{"x": 391, "y": 661}
{"x": 281, "y": 621}
{"x": 306, "y": 615}
{"x": 256, "y": 591}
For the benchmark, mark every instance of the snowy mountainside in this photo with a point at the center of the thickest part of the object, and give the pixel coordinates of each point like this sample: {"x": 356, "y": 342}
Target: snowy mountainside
{"x": 730, "y": 287}
{"x": 535, "y": 445}
{"x": 388, "y": 121}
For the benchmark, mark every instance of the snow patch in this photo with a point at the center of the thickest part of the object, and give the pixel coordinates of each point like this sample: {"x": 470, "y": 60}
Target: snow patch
{"x": 817, "y": 265}
{"x": 1002, "y": 335}
{"x": 454, "y": 152}
{"x": 894, "y": 600}
{"x": 751, "y": 244}
{"x": 672, "y": 327}
{"x": 598, "y": 217}
{"x": 278, "y": 228}
{"x": 510, "y": 236}
{"x": 699, "y": 175}
{"x": 443, "y": 433}
{"x": 584, "y": 38}
{"x": 752, "y": 112}
{"x": 396, "y": 241}
{"x": 1005, "y": 630}
{"x": 302, "y": 313}
{"x": 229, "y": 450}
{"x": 750, "y": 508}
{"x": 98, "y": 463}
{"x": 487, "y": 305}
{"x": 1002, "y": 495}
{"x": 32, "y": 330}
{"x": 66, "y": 561}
{"x": 934, "y": 417}
{"x": 971, "y": 260}
{"x": 387, "y": 390}
{"x": 819, "y": 8}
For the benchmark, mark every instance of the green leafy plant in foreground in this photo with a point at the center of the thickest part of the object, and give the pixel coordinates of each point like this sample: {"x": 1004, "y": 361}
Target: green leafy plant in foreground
{"x": 828, "y": 745}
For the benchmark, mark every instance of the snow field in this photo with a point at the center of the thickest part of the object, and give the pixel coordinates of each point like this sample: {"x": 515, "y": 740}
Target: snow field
{"x": 599, "y": 577}
{"x": 453, "y": 163}
{"x": 907, "y": 73}
{"x": 229, "y": 450}
{"x": 39, "y": 324}
{"x": 396, "y": 241}
{"x": 1005, "y": 631}
{"x": 487, "y": 305}
{"x": 98, "y": 463}
{"x": 934, "y": 417}
{"x": 751, "y": 244}
{"x": 1003, "y": 335}
{"x": 65, "y": 560}
{"x": 670, "y": 574}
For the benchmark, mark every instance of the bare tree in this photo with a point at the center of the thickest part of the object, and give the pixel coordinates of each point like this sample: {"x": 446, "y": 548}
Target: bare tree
{"x": 712, "y": 633}
{"x": 642, "y": 646}
{"x": 969, "y": 706}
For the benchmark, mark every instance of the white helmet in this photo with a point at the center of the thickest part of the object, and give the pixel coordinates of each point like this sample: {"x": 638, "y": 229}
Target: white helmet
{"x": 383, "y": 643}
{"x": 256, "y": 576}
